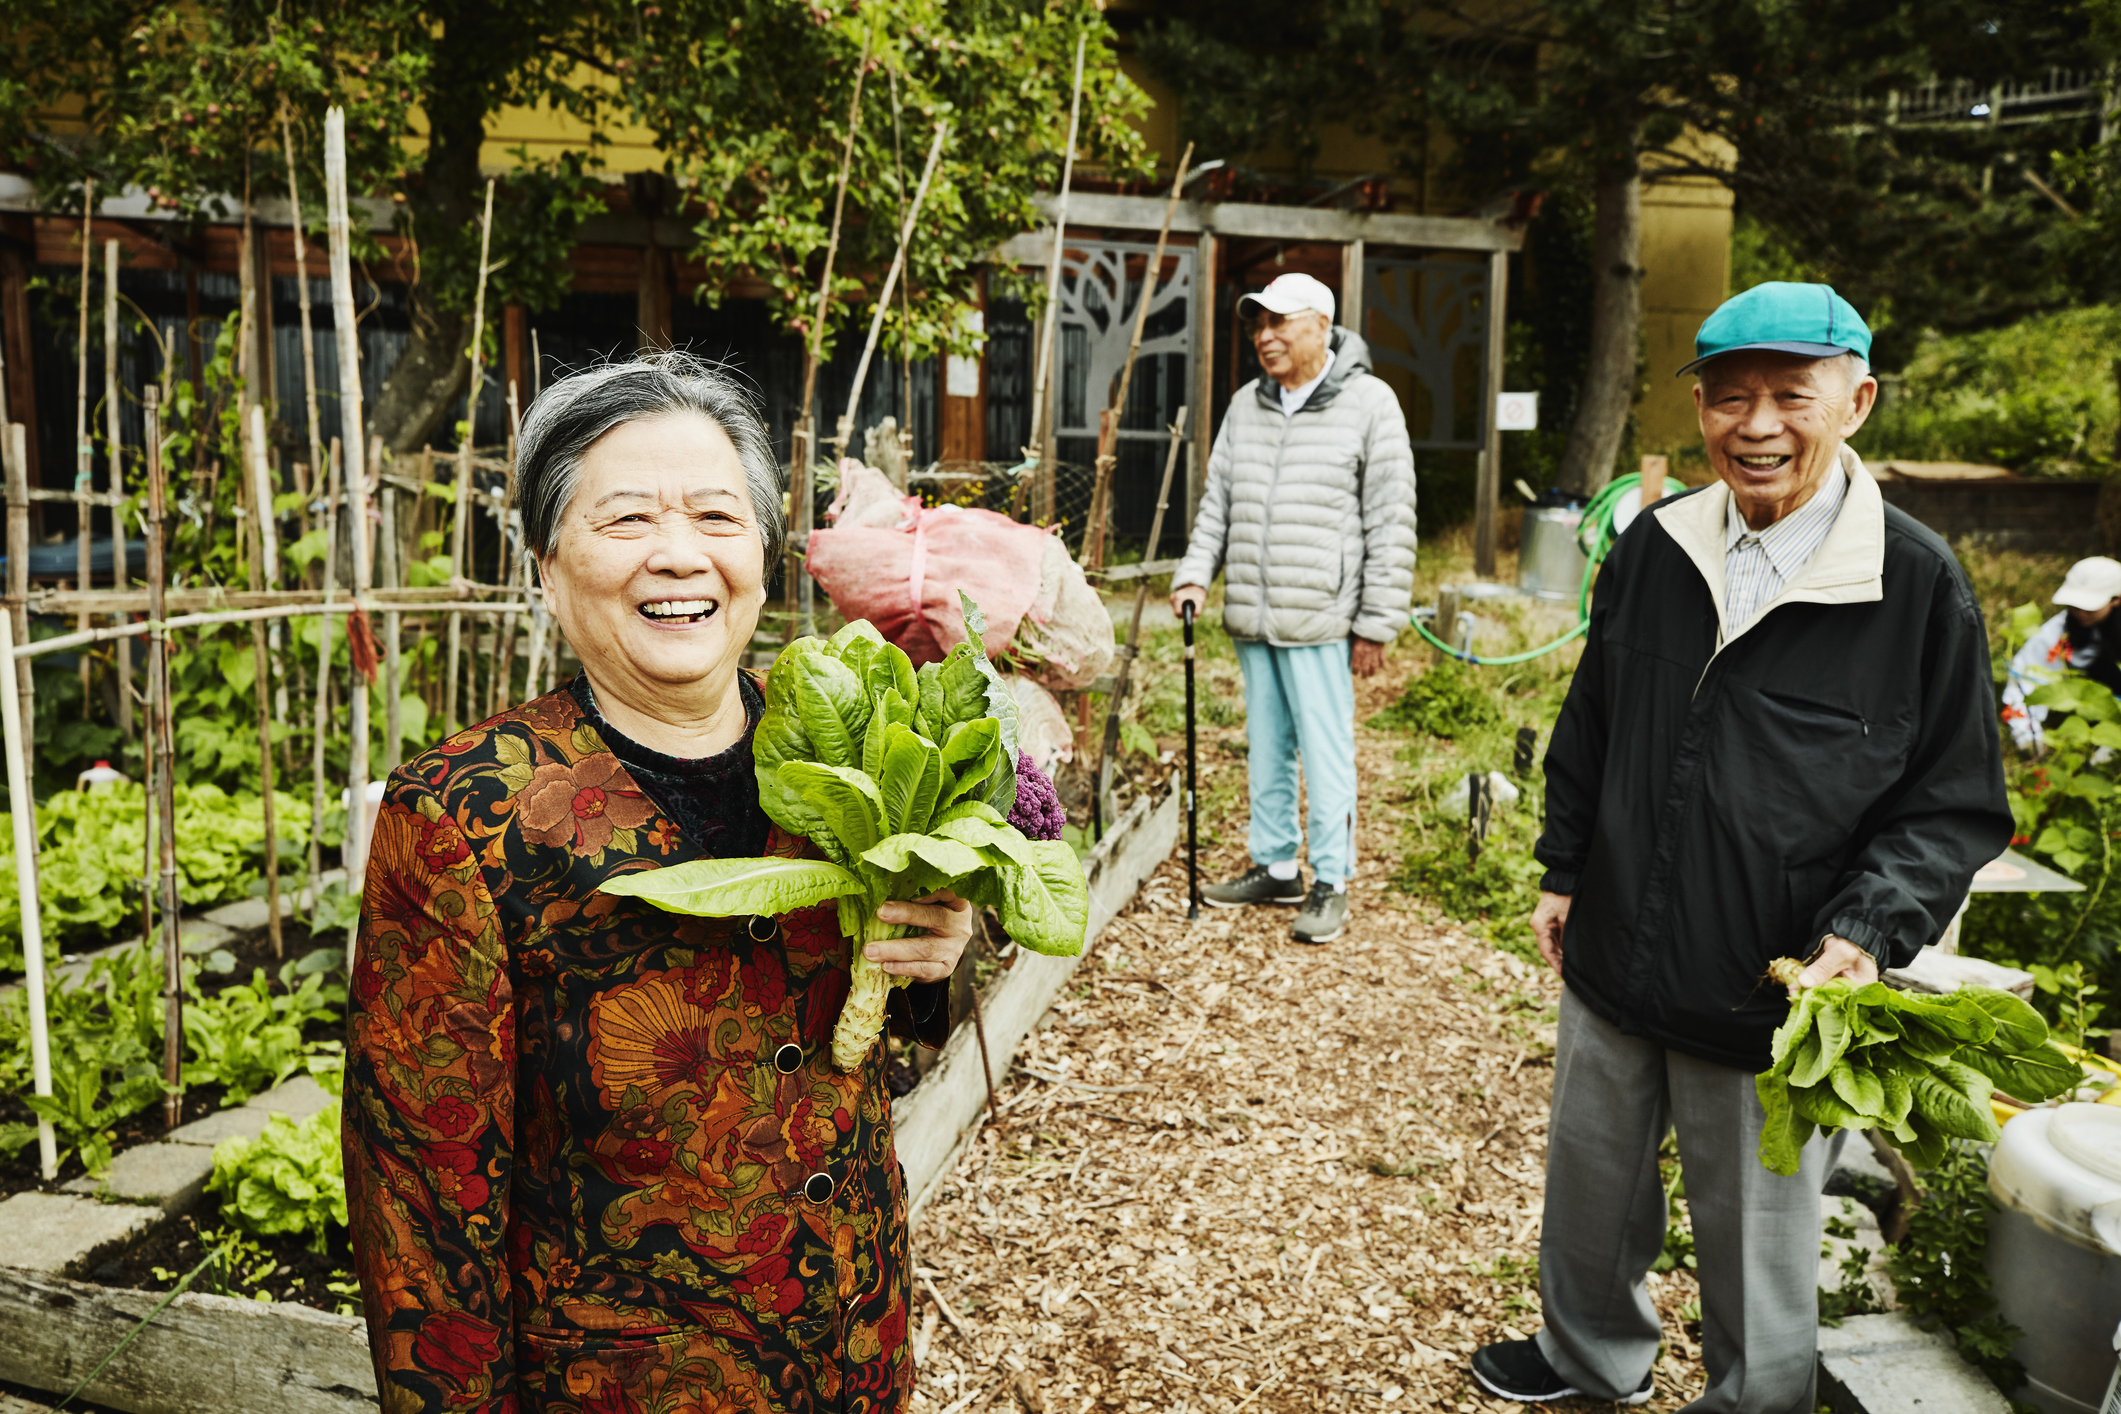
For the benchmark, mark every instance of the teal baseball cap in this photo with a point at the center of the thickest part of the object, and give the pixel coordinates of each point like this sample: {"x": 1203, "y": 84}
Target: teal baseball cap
{"x": 1785, "y": 317}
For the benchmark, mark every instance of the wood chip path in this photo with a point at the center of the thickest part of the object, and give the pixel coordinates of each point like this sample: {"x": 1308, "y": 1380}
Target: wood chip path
{"x": 1282, "y": 1178}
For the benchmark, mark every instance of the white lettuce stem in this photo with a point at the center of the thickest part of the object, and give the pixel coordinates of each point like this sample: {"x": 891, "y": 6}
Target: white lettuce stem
{"x": 862, "y": 1017}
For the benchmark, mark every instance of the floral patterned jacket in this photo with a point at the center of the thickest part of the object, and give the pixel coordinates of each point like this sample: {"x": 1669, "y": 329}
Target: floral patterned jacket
{"x": 597, "y": 1157}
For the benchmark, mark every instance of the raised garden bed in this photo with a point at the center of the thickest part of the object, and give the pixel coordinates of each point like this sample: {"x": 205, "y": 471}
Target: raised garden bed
{"x": 209, "y": 1352}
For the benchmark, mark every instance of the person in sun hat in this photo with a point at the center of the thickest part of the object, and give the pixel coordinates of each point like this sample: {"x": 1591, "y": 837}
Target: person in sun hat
{"x": 2085, "y": 638}
{"x": 1779, "y": 742}
{"x": 1309, "y": 512}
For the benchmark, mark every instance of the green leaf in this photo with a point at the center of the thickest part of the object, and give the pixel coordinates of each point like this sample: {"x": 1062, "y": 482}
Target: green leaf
{"x": 912, "y": 779}
{"x": 2018, "y": 1027}
{"x": 1899, "y": 1098}
{"x": 1830, "y": 1027}
{"x": 946, "y": 861}
{"x": 1824, "y": 1108}
{"x": 1859, "y": 1088}
{"x": 780, "y": 738}
{"x": 727, "y": 888}
{"x": 1001, "y": 838}
{"x": 1954, "y": 1099}
{"x": 1783, "y": 1137}
{"x": 1045, "y": 905}
{"x": 970, "y": 751}
{"x": 892, "y": 671}
{"x": 845, "y": 799}
{"x": 2040, "y": 1073}
{"x": 834, "y": 708}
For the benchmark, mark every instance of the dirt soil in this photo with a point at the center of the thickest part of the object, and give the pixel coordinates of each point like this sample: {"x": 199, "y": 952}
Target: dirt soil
{"x": 1278, "y": 1177}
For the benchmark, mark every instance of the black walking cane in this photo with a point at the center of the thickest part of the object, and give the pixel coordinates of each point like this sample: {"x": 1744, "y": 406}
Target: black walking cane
{"x": 1192, "y": 806}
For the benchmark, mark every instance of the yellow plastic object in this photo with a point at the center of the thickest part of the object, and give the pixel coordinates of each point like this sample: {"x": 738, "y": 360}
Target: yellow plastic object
{"x": 2004, "y": 1111}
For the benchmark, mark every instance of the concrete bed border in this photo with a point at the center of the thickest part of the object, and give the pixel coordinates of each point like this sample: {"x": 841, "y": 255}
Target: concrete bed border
{"x": 208, "y": 1354}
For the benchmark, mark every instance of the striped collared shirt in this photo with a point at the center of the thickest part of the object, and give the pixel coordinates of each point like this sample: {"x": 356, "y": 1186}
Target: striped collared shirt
{"x": 1760, "y": 564}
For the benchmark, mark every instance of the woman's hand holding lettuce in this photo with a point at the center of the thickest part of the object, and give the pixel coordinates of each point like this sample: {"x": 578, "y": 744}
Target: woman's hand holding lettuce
{"x": 905, "y": 781}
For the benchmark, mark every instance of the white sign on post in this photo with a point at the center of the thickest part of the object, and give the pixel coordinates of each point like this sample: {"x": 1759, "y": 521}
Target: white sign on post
{"x": 1517, "y": 412}
{"x": 961, "y": 373}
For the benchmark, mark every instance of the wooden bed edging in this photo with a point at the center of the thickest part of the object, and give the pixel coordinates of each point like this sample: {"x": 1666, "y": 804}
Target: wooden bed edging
{"x": 203, "y": 1355}
{"x": 929, "y": 1123}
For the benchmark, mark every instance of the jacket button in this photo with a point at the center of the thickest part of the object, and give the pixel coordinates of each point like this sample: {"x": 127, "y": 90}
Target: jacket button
{"x": 788, "y": 1059}
{"x": 763, "y": 928}
{"x": 818, "y": 1187}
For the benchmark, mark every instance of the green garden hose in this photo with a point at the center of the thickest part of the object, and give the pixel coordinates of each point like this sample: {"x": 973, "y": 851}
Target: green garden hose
{"x": 1595, "y": 535}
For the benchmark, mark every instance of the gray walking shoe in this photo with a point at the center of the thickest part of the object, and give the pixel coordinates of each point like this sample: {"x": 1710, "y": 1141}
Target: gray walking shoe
{"x": 1325, "y": 910}
{"x": 1255, "y": 885}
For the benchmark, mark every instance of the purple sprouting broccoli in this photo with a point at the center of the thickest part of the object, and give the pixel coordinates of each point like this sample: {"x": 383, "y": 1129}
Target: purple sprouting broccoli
{"x": 1038, "y": 808}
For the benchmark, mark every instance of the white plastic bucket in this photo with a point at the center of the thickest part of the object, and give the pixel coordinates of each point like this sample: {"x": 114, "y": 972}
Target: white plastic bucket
{"x": 2054, "y": 1249}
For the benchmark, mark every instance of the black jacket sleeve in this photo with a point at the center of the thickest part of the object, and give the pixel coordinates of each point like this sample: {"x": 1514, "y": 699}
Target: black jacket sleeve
{"x": 1949, "y": 814}
{"x": 1575, "y": 760}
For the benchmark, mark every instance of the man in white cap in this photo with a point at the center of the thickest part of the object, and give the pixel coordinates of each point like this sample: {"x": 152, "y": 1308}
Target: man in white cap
{"x": 1309, "y": 510}
{"x": 2085, "y": 638}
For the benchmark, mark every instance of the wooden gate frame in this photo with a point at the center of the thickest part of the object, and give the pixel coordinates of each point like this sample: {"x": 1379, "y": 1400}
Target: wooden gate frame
{"x": 1354, "y": 232}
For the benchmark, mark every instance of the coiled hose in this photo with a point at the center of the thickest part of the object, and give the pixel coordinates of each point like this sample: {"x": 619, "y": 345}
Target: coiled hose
{"x": 1595, "y": 535}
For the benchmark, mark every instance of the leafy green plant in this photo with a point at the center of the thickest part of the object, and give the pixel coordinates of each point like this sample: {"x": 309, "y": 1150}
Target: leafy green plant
{"x": 287, "y": 1180}
{"x": 1443, "y": 701}
{"x": 249, "y": 1037}
{"x": 1940, "y": 1269}
{"x": 1918, "y": 1069}
{"x": 106, "y": 1049}
{"x": 1678, "y": 1250}
{"x": 1853, "y": 1294}
{"x": 904, "y": 781}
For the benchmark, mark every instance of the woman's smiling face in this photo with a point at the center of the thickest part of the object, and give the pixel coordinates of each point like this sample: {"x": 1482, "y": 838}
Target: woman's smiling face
{"x": 657, "y": 571}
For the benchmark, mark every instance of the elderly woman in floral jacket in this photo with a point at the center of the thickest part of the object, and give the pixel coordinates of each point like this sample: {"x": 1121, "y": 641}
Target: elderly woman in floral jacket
{"x": 597, "y": 1156}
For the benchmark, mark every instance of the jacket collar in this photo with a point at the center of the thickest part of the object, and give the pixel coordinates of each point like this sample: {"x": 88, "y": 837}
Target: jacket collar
{"x": 1350, "y": 356}
{"x": 1847, "y": 568}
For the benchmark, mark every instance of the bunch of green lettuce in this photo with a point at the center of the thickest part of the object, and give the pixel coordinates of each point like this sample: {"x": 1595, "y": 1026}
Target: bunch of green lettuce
{"x": 904, "y": 781}
{"x": 288, "y": 1179}
{"x": 1919, "y": 1069}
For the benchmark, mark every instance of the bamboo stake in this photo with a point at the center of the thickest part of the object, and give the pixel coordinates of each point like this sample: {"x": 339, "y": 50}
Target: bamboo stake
{"x": 18, "y": 591}
{"x": 1093, "y": 556}
{"x": 898, "y": 264}
{"x": 82, "y": 450}
{"x": 504, "y": 671}
{"x": 161, "y": 731}
{"x": 309, "y": 341}
{"x": 796, "y": 594}
{"x": 264, "y": 570}
{"x": 1109, "y": 751}
{"x": 266, "y": 613}
{"x": 114, "y": 436}
{"x": 1041, "y": 402}
{"x": 22, "y": 808}
{"x": 322, "y": 719}
{"x": 460, "y": 528}
{"x": 355, "y": 449}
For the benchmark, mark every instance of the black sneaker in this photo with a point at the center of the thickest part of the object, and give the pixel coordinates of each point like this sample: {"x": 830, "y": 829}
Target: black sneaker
{"x": 1255, "y": 885}
{"x": 1514, "y": 1369}
{"x": 1325, "y": 910}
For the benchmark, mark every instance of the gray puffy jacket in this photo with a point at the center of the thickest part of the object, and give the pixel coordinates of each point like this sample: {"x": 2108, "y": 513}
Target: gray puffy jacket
{"x": 1310, "y": 516}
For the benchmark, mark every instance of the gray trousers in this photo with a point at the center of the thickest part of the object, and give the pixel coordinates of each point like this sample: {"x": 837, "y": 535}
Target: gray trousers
{"x": 1756, "y": 1235}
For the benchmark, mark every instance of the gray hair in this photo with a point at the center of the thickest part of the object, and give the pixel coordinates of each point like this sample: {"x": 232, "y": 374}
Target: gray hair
{"x": 571, "y": 414}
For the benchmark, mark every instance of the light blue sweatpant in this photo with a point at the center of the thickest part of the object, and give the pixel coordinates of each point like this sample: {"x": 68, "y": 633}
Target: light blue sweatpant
{"x": 1300, "y": 702}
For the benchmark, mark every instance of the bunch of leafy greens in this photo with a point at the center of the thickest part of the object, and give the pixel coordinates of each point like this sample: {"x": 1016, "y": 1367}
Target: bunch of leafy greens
{"x": 1920, "y": 1069}
{"x": 904, "y": 781}
{"x": 288, "y": 1179}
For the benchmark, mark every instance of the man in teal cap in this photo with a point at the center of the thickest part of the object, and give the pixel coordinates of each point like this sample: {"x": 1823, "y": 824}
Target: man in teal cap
{"x": 1780, "y": 742}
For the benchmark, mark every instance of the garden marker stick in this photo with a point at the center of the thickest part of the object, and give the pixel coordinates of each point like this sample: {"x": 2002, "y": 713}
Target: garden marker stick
{"x": 1108, "y": 750}
{"x": 898, "y": 266}
{"x": 114, "y": 439}
{"x": 1041, "y": 401}
{"x": 22, "y": 809}
{"x": 352, "y": 430}
{"x": 83, "y": 452}
{"x": 161, "y": 734}
{"x": 264, "y": 569}
{"x": 460, "y": 523}
{"x": 1192, "y": 806}
{"x": 1093, "y": 556}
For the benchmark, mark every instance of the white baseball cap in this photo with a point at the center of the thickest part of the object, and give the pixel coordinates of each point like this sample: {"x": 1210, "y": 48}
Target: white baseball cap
{"x": 1292, "y": 294}
{"x": 2090, "y": 584}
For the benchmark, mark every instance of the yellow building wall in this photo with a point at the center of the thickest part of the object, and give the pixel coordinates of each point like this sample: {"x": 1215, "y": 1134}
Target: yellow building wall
{"x": 1686, "y": 265}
